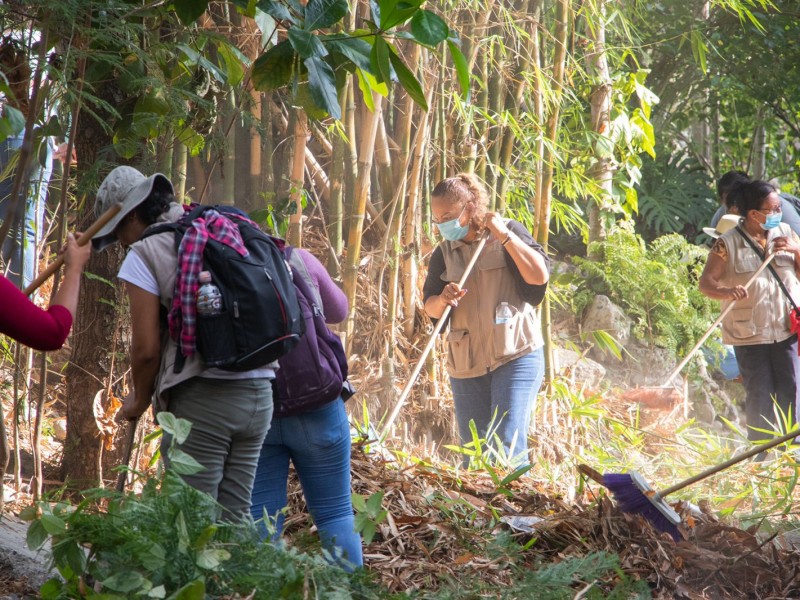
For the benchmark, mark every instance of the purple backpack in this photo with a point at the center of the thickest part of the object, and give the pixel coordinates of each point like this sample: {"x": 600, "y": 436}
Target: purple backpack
{"x": 314, "y": 372}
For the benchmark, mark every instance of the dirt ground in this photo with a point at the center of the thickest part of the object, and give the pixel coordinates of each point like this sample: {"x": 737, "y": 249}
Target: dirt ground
{"x": 21, "y": 571}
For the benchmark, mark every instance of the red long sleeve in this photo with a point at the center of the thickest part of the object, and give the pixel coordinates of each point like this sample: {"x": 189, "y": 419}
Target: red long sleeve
{"x": 22, "y": 320}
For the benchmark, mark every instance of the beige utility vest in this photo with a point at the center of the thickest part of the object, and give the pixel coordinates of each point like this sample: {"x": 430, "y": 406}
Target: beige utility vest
{"x": 476, "y": 344}
{"x": 159, "y": 254}
{"x": 762, "y": 317}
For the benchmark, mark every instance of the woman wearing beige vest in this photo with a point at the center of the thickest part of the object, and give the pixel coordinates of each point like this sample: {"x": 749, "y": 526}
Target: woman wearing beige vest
{"x": 495, "y": 358}
{"x": 759, "y": 325}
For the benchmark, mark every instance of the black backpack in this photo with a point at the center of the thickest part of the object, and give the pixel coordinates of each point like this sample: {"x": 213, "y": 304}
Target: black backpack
{"x": 313, "y": 373}
{"x": 261, "y": 318}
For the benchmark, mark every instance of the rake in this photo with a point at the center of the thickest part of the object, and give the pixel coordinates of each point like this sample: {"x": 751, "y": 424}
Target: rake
{"x": 665, "y": 393}
{"x": 85, "y": 238}
{"x": 634, "y": 495}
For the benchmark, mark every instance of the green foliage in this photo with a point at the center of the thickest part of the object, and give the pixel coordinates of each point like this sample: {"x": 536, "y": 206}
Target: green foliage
{"x": 313, "y": 57}
{"x": 552, "y": 582}
{"x": 369, "y": 514}
{"x": 675, "y": 196}
{"x": 165, "y": 543}
{"x": 656, "y": 286}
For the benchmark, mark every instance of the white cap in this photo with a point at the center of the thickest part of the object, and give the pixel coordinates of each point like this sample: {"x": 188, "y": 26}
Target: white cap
{"x": 726, "y": 223}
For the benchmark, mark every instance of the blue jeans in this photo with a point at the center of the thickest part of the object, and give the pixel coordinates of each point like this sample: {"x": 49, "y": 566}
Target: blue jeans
{"x": 20, "y": 252}
{"x": 769, "y": 375}
{"x": 318, "y": 444}
{"x": 509, "y": 390}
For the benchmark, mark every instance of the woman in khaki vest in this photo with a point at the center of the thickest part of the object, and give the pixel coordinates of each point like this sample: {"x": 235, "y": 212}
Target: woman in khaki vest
{"x": 759, "y": 325}
{"x": 495, "y": 358}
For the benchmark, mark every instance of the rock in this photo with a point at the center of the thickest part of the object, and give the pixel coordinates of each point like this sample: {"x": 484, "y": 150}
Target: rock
{"x": 580, "y": 370}
{"x": 60, "y": 429}
{"x": 604, "y": 315}
{"x": 704, "y": 412}
{"x": 17, "y": 562}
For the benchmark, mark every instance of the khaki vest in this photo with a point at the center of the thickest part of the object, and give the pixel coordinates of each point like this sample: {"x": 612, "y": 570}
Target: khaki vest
{"x": 476, "y": 344}
{"x": 159, "y": 254}
{"x": 762, "y": 317}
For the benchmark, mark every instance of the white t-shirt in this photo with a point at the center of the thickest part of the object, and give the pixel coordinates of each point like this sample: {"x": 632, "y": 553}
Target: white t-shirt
{"x": 135, "y": 271}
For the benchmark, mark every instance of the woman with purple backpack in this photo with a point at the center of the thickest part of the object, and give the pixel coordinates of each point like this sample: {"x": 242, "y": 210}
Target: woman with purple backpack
{"x": 310, "y": 426}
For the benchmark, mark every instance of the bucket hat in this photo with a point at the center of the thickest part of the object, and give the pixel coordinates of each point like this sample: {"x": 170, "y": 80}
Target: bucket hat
{"x": 129, "y": 187}
{"x": 726, "y": 223}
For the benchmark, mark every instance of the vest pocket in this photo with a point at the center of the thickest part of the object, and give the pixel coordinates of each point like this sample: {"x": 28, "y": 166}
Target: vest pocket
{"x": 509, "y": 337}
{"x": 742, "y": 324}
{"x": 459, "y": 357}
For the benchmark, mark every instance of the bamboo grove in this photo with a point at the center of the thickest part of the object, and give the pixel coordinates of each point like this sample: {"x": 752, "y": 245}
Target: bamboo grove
{"x": 339, "y": 117}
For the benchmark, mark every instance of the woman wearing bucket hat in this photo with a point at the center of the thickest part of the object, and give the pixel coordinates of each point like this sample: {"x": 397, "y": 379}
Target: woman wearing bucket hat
{"x": 230, "y": 412}
{"x": 759, "y": 326}
{"x": 495, "y": 358}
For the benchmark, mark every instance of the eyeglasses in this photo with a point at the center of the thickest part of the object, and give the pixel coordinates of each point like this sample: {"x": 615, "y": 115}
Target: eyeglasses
{"x": 775, "y": 211}
{"x": 446, "y": 218}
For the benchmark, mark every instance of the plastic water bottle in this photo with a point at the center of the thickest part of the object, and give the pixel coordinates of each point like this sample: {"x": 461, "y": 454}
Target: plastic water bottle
{"x": 209, "y": 298}
{"x": 503, "y": 313}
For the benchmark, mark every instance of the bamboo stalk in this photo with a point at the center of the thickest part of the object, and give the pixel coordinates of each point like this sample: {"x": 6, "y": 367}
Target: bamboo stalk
{"x": 297, "y": 178}
{"x": 512, "y": 108}
{"x": 600, "y": 105}
{"x": 179, "y": 168}
{"x": 538, "y": 107}
{"x": 267, "y": 169}
{"x": 412, "y": 222}
{"x": 256, "y": 161}
{"x": 369, "y": 131}
{"x": 549, "y": 158}
{"x": 383, "y": 163}
{"x": 350, "y": 156}
{"x": 336, "y": 193}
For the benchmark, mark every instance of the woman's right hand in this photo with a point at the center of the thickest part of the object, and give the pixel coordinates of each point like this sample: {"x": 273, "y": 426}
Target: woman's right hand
{"x": 75, "y": 255}
{"x": 737, "y": 293}
{"x": 451, "y": 294}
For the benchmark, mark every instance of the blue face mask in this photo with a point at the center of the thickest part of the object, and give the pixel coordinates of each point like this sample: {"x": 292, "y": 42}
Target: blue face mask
{"x": 772, "y": 221}
{"x": 452, "y": 230}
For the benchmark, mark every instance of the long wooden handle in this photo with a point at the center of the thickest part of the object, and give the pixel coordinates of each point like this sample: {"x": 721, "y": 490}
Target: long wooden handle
{"x": 439, "y": 324}
{"x": 730, "y": 462}
{"x": 711, "y": 329}
{"x": 85, "y": 238}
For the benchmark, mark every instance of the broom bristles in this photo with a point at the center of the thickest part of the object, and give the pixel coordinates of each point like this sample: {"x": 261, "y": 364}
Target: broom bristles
{"x": 634, "y": 495}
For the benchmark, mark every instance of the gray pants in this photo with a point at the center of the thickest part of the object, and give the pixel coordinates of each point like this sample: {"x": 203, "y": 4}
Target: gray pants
{"x": 230, "y": 419}
{"x": 770, "y": 376}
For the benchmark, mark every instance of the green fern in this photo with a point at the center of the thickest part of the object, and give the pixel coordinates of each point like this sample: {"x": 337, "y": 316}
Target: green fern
{"x": 656, "y": 285}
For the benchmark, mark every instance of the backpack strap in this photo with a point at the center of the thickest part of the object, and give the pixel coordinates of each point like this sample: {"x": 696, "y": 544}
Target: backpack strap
{"x": 772, "y": 270}
{"x": 310, "y": 290}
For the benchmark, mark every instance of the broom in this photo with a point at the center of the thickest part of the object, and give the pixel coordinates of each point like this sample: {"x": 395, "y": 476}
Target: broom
{"x": 634, "y": 495}
{"x": 665, "y": 393}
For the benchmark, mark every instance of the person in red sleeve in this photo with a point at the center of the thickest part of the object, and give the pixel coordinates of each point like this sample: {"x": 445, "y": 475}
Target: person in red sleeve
{"x": 41, "y": 329}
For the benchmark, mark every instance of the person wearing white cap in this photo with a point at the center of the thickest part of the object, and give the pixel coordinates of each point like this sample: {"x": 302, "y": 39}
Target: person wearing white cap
{"x": 761, "y": 326}
{"x": 230, "y": 412}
